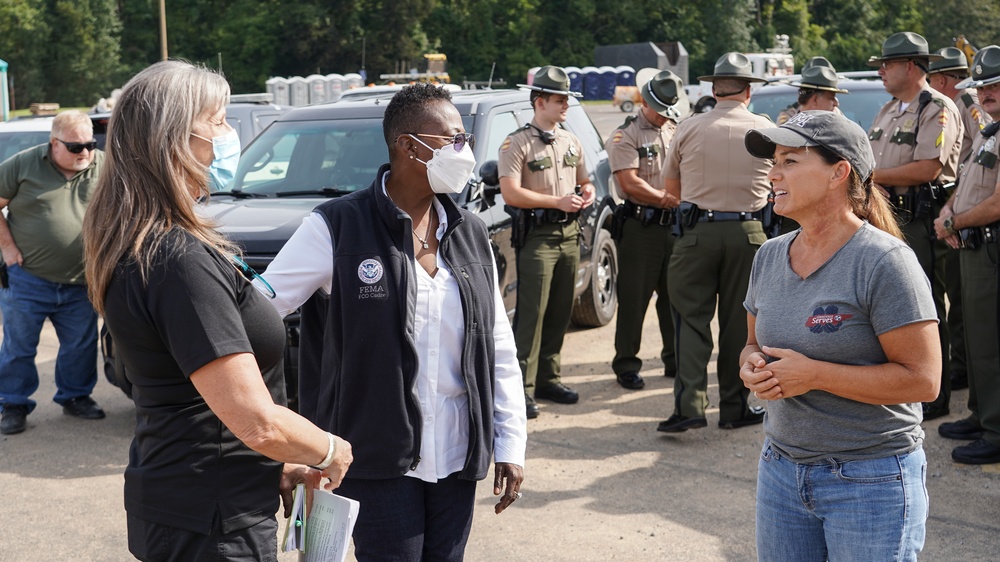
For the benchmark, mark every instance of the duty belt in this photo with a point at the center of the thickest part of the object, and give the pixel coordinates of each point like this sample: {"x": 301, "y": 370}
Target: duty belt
{"x": 918, "y": 201}
{"x": 720, "y": 216}
{"x": 974, "y": 237}
{"x": 648, "y": 215}
{"x": 552, "y": 216}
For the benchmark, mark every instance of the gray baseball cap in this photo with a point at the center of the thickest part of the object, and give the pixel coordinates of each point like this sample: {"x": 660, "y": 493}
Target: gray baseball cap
{"x": 828, "y": 129}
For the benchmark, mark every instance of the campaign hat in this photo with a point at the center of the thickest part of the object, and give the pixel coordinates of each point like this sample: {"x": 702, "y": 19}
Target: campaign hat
{"x": 664, "y": 93}
{"x": 551, "y": 80}
{"x": 828, "y": 129}
{"x": 985, "y": 69}
{"x": 820, "y": 78}
{"x": 904, "y": 45}
{"x": 952, "y": 60}
{"x": 732, "y": 66}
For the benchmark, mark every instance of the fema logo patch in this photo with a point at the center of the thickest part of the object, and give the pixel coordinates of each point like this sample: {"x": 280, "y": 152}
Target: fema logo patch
{"x": 370, "y": 271}
{"x": 826, "y": 320}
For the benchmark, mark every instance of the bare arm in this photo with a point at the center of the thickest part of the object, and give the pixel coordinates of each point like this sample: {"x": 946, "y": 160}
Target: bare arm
{"x": 911, "y": 173}
{"x": 640, "y": 190}
{"x": 522, "y": 198}
{"x": 673, "y": 187}
{"x": 11, "y": 253}
{"x": 911, "y": 373}
{"x": 234, "y": 390}
{"x": 986, "y": 212}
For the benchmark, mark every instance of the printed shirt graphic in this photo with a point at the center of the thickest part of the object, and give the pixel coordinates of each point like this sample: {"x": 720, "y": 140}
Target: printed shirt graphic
{"x": 826, "y": 320}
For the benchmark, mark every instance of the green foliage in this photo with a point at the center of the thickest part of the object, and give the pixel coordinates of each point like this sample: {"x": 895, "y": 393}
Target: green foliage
{"x": 74, "y": 51}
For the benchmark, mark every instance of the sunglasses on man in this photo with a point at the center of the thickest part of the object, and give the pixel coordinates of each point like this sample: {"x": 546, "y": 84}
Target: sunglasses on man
{"x": 457, "y": 141}
{"x": 78, "y": 147}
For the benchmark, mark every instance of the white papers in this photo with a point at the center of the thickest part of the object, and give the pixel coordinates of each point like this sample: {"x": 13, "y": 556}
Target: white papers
{"x": 326, "y": 534}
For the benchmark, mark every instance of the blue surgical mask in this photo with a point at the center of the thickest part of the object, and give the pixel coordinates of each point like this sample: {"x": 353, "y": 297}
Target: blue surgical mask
{"x": 227, "y": 158}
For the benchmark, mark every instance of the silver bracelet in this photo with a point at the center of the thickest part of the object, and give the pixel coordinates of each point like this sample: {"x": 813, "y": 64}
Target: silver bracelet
{"x": 328, "y": 459}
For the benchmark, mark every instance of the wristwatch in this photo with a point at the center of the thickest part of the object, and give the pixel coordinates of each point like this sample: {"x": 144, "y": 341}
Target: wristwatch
{"x": 948, "y": 223}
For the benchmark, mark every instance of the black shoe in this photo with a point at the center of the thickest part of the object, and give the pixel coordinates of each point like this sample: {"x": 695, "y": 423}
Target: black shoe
{"x": 959, "y": 381}
{"x": 15, "y": 419}
{"x": 980, "y": 451}
{"x": 679, "y": 424}
{"x": 631, "y": 380}
{"x": 962, "y": 430}
{"x": 934, "y": 411}
{"x": 752, "y": 416}
{"x": 530, "y": 407}
{"x": 558, "y": 392}
{"x": 83, "y": 407}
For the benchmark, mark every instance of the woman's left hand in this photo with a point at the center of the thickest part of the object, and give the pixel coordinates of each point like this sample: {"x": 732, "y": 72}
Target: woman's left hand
{"x": 789, "y": 372}
{"x": 514, "y": 475}
{"x": 293, "y": 475}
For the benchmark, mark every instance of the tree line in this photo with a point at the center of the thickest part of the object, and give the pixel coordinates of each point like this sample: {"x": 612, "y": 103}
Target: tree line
{"x": 76, "y": 51}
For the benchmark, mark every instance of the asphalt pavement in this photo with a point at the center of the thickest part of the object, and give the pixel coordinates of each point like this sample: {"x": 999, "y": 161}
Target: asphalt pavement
{"x": 600, "y": 482}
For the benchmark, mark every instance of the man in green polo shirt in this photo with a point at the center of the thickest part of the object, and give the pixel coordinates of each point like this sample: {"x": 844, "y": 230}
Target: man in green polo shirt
{"x": 46, "y": 190}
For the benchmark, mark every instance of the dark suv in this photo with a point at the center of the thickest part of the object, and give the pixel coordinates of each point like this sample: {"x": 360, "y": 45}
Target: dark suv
{"x": 314, "y": 153}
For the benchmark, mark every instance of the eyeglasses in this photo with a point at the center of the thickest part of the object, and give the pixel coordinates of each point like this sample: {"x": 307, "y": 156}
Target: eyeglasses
{"x": 251, "y": 275}
{"x": 886, "y": 63}
{"x": 78, "y": 147}
{"x": 457, "y": 141}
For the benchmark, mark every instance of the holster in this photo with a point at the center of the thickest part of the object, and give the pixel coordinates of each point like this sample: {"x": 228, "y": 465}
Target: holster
{"x": 521, "y": 222}
{"x": 618, "y": 223}
{"x": 769, "y": 220}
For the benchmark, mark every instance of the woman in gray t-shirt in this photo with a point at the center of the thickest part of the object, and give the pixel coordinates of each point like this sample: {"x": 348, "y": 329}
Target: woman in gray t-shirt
{"x": 843, "y": 346}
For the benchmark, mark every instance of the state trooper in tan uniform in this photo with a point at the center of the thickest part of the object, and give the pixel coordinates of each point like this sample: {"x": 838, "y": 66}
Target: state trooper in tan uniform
{"x": 817, "y": 89}
{"x": 917, "y": 138}
{"x": 944, "y": 75}
{"x": 722, "y": 189}
{"x": 636, "y": 152}
{"x": 971, "y": 221}
{"x": 542, "y": 173}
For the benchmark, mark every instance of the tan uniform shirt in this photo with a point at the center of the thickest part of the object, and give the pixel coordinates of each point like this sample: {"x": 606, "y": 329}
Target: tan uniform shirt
{"x": 897, "y": 139}
{"x": 979, "y": 176}
{"x": 551, "y": 169}
{"x": 716, "y": 172}
{"x": 973, "y": 120}
{"x": 639, "y": 145}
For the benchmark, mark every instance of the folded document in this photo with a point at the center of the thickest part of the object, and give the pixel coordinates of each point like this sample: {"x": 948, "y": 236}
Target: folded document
{"x": 323, "y": 536}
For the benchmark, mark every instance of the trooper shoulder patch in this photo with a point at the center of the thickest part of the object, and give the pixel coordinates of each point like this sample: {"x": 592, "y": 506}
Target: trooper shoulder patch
{"x": 506, "y": 144}
{"x": 618, "y": 136}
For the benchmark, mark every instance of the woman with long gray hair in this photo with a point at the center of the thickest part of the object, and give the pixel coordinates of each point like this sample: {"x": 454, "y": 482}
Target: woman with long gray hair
{"x": 202, "y": 347}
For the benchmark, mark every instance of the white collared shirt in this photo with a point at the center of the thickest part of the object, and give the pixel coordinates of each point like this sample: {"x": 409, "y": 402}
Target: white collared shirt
{"x": 305, "y": 265}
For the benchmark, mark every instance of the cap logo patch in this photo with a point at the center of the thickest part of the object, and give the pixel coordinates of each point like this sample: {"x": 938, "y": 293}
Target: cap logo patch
{"x": 370, "y": 271}
{"x": 799, "y": 119}
{"x": 979, "y": 70}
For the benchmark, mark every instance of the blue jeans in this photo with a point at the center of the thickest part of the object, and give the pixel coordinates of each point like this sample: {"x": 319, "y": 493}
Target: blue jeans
{"x": 408, "y": 520}
{"x": 841, "y": 510}
{"x": 26, "y": 303}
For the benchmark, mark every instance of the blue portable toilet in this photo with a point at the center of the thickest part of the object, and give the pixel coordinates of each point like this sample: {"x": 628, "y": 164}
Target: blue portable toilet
{"x": 626, "y": 75}
{"x": 4, "y": 102}
{"x": 609, "y": 79}
{"x": 591, "y": 83}
{"x": 575, "y": 78}
{"x": 298, "y": 91}
{"x": 334, "y": 86}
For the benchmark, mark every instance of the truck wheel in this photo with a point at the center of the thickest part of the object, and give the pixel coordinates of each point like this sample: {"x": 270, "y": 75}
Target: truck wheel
{"x": 627, "y": 106}
{"x": 596, "y": 306}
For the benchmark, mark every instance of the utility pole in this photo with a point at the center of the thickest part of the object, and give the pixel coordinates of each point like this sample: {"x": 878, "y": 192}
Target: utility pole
{"x": 163, "y": 29}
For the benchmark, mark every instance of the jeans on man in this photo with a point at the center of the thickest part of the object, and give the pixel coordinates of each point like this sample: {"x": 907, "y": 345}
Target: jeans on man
{"x": 26, "y": 303}
{"x": 841, "y": 510}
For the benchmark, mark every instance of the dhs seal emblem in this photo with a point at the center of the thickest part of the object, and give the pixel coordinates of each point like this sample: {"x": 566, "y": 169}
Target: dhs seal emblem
{"x": 370, "y": 271}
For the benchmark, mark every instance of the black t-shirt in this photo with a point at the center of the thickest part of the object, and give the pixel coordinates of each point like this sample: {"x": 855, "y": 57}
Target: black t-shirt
{"x": 185, "y": 467}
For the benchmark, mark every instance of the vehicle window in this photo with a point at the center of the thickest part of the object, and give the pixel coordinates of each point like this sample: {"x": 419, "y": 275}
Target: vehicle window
{"x": 860, "y": 106}
{"x": 14, "y": 142}
{"x": 580, "y": 125}
{"x": 502, "y": 125}
{"x": 297, "y": 156}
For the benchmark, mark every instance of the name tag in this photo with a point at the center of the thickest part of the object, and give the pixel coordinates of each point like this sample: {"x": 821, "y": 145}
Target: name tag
{"x": 904, "y": 138}
{"x": 986, "y": 159}
{"x": 649, "y": 151}
{"x": 875, "y": 134}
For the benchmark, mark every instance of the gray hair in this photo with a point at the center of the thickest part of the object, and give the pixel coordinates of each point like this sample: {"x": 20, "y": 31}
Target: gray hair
{"x": 151, "y": 178}
{"x": 70, "y": 120}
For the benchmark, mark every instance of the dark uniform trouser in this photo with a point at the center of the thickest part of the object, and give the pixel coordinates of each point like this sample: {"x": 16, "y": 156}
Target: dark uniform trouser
{"x": 714, "y": 258}
{"x": 546, "y": 278}
{"x": 980, "y": 288}
{"x": 643, "y": 256}
{"x": 931, "y": 254}
{"x": 956, "y": 320}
